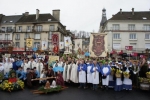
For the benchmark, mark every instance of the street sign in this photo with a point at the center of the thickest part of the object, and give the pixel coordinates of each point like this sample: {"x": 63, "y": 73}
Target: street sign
{"x": 128, "y": 47}
{"x": 29, "y": 42}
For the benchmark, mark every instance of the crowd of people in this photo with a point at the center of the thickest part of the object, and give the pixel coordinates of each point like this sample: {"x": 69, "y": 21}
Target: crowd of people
{"x": 88, "y": 72}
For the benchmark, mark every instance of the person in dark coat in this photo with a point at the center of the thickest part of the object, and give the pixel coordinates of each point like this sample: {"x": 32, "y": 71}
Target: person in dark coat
{"x": 50, "y": 73}
{"x": 59, "y": 79}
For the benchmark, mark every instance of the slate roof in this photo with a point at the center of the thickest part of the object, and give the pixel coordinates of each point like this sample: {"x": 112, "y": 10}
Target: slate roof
{"x": 10, "y": 19}
{"x": 129, "y": 16}
{"x": 32, "y": 18}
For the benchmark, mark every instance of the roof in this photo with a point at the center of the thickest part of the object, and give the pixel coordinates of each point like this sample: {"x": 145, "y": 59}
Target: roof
{"x": 10, "y": 19}
{"x": 32, "y": 18}
{"x": 144, "y": 15}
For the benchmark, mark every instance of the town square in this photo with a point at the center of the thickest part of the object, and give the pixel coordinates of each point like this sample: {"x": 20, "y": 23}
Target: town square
{"x": 74, "y": 49}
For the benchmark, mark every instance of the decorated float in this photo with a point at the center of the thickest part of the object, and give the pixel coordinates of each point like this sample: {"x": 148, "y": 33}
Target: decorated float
{"x": 12, "y": 84}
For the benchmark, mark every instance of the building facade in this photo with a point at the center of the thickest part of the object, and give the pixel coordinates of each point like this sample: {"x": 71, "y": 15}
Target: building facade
{"x": 128, "y": 29}
{"x": 39, "y": 27}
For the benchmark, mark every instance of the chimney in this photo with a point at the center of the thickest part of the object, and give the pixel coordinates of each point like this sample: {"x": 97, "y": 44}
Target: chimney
{"x": 132, "y": 11}
{"x": 56, "y": 14}
{"x": 120, "y": 11}
{"x": 37, "y": 14}
{"x": 26, "y": 13}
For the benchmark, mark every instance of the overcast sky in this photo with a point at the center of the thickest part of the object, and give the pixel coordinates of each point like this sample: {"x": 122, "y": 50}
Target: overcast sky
{"x": 80, "y": 15}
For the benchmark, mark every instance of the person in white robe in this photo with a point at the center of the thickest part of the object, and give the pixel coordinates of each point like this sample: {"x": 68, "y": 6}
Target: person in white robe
{"x": 89, "y": 74}
{"x": 32, "y": 63}
{"x": 69, "y": 71}
{"x": 95, "y": 69}
{"x": 65, "y": 71}
{"x": 74, "y": 73}
{"x": 25, "y": 65}
{"x": 105, "y": 71}
{"x": 43, "y": 75}
{"x": 7, "y": 66}
{"x": 82, "y": 74}
{"x": 39, "y": 66}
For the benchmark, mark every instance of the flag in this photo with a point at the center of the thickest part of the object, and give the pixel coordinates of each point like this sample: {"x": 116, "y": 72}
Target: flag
{"x": 67, "y": 41}
{"x": 61, "y": 45}
{"x": 44, "y": 45}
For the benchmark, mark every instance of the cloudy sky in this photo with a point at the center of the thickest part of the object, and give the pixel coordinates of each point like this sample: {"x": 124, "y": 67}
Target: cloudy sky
{"x": 80, "y": 15}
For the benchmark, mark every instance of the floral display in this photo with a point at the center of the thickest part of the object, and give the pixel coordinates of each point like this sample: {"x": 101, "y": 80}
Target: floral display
{"x": 126, "y": 74}
{"x": 148, "y": 74}
{"x": 118, "y": 73}
{"x": 9, "y": 86}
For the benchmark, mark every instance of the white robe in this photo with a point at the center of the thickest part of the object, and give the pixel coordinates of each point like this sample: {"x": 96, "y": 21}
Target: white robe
{"x": 7, "y": 67}
{"x": 118, "y": 81}
{"x": 74, "y": 73}
{"x": 65, "y": 72}
{"x": 25, "y": 66}
{"x": 89, "y": 74}
{"x": 106, "y": 80}
{"x": 39, "y": 69}
{"x": 95, "y": 76}
{"x": 82, "y": 76}
{"x": 33, "y": 64}
{"x": 69, "y": 72}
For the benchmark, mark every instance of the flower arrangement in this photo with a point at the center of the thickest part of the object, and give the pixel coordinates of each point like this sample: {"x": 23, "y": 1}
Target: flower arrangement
{"x": 144, "y": 80}
{"x": 126, "y": 74}
{"x": 9, "y": 86}
{"x": 148, "y": 74}
{"x": 118, "y": 73}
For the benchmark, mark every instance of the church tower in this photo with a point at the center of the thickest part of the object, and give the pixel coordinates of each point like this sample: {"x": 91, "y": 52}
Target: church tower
{"x": 104, "y": 19}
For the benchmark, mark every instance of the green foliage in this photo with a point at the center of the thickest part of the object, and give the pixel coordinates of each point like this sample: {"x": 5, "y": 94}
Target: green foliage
{"x": 58, "y": 88}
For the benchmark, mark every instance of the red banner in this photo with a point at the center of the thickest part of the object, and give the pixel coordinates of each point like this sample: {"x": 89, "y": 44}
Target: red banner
{"x": 55, "y": 49}
{"x": 55, "y": 39}
{"x": 142, "y": 56}
{"x": 129, "y": 47}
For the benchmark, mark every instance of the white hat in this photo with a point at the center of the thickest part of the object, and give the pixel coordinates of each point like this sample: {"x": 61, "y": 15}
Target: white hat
{"x": 120, "y": 63}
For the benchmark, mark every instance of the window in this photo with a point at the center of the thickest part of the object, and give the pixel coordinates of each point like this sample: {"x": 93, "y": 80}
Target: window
{"x": 147, "y": 35}
{"x": 147, "y": 45}
{"x": 132, "y": 36}
{"x": 50, "y": 35}
{"x": 18, "y": 44}
{"x": 39, "y": 28}
{"x": 20, "y": 29}
{"x": 9, "y": 29}
{"x": 116, "y": 36}
{"x": 36, "y": 44}
{"x": 116, "y": 27}
{"x": 131, "y": 27}
{"x": 147, "y": 27}
{"x": 17, "y": 36}
{"x": 52, "y": 28}
{"x": 28, "y": 28}
{"x": 37, "y": 36}
{"x": 3, "y": 29}
{"x": 7, "y": 36}
{"x": 1, "y": 37}
{"x": 26, "y": 36}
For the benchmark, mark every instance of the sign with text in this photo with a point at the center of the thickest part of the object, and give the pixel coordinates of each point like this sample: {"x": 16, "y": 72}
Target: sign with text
{"x": 128, "y": 47}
